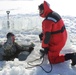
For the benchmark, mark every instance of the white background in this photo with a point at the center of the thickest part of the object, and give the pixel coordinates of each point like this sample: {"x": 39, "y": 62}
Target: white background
{"x": 64, "y": 7}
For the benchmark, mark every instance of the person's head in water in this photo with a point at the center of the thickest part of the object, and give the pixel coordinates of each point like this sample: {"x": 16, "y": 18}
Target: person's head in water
{"x": 11, "y": 35}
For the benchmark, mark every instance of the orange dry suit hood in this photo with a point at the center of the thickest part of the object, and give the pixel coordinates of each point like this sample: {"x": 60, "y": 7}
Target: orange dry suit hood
{"x": 47, "y": 9}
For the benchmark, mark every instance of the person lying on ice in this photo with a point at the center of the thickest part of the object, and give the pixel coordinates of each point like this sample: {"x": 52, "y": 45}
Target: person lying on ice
{"x": 54, "y": 36}
{"x": 10, "y": 49}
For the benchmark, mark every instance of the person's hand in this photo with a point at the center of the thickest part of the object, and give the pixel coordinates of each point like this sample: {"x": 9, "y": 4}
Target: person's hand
{"x": 44, "y": 51}
{"x": 40, "y": 36}
{"x": 31, "y": 49}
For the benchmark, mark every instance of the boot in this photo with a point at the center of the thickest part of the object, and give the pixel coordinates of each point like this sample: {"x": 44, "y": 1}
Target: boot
{"x": 73, "y": 59}
{"x": 71, "y": 56}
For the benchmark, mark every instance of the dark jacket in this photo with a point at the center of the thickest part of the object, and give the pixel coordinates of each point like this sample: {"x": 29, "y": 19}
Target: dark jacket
{"x": 12, "y": 49}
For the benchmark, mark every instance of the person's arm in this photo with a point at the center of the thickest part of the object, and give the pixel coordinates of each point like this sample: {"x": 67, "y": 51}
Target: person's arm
{"x": 28, "y": 48}
{"x": 18, "y": 47}
{"x": 47, "y": 28}
{"x": 40, "y": 36}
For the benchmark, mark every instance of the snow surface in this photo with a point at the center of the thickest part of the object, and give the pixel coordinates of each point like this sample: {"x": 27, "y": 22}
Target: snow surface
{"x": 26, "y": 29}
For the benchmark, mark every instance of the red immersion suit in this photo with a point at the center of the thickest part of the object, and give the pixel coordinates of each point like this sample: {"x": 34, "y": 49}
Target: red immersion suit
{"x": 54, "y": 34}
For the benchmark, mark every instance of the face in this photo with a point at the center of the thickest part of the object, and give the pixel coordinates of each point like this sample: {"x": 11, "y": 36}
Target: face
{"x": 41, "y": 12}
{"x": 13, "y": 38}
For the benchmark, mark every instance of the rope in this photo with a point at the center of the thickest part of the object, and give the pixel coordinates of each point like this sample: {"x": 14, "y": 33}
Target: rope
{"x": 38, "y": 64}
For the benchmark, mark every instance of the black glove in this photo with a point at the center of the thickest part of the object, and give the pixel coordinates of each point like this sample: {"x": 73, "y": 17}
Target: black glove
{"x": 31, "y": 49}
{"x": 45, "y": 51}
{"x": 40, "y": 36}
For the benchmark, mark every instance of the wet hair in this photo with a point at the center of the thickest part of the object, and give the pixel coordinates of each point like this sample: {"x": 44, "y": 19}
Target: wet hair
{"x": 41, "y": 7}
{"x": 9, "y": 34}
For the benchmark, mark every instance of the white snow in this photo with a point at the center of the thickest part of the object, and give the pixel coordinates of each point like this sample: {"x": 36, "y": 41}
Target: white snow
{"x": 30, "y": 34}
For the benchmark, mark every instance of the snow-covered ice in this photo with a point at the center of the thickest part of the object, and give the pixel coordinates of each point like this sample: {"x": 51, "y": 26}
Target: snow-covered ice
{"x": 26, "y": 29}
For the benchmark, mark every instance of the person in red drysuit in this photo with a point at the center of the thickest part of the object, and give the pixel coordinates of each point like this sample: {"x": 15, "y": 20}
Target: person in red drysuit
{"x": 54, "y": 35}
